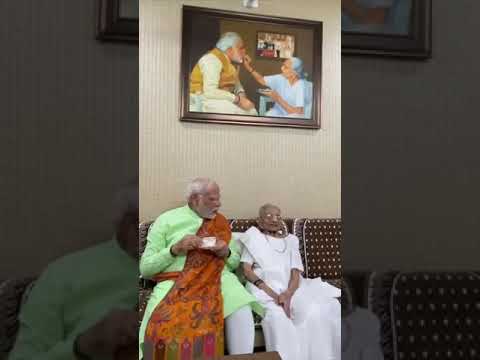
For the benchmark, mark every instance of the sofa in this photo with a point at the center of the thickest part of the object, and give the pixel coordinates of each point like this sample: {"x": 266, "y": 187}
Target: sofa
{"x": 320, "y": 241}
{"x": 422, "y": 314}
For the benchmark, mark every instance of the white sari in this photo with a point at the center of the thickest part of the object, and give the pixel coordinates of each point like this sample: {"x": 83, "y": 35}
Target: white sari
{"x": 313, "y": 332}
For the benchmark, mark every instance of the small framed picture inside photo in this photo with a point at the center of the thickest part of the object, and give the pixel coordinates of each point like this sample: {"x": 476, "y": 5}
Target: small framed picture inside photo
{"x": 275, "y": 45}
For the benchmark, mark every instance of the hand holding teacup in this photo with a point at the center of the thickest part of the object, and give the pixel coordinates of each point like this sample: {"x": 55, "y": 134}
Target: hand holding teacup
{"x": 217, "y": 246}
{"x": 208, "y": 242}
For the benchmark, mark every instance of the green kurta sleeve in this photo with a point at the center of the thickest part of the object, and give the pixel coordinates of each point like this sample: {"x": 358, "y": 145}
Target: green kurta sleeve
{"x": 42, "y": 332}
{"x": 156, "y": 257}
{"x": 234, "y": 259}
{"x": 72, "y": 295}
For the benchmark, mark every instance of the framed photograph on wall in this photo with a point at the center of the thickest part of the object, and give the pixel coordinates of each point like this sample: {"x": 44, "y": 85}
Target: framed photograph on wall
{"x": 117, "y": 20}
{"x": 275, "y": 46}
{"x": 225, "y": 80}
{"x": 387, "y": 27}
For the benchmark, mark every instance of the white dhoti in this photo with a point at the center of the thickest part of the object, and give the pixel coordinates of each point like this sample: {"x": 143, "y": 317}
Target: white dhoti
{"x": 314, "y": 330}
{"x": 198, "y": 103}
{"x": 317, "y": 338}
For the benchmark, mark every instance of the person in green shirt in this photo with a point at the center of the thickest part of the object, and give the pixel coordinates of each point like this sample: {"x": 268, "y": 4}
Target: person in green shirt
{"x": 83, "y": 306}
{"x": 170, "y": 237}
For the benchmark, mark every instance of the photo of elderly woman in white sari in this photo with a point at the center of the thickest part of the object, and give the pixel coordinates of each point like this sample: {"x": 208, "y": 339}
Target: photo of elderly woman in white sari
{"x": 289, "y": 90}
{"x": 302, "y": 319}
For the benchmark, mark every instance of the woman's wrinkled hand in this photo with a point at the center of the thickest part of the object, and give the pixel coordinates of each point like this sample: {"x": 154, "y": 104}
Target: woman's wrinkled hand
{"x": 247, "y": 63}
{"x": 284, "y": 300}
{"x": 272, "y": 94}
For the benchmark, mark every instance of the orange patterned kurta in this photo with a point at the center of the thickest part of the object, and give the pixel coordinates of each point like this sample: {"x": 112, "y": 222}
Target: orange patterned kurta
{"x": 188, "y": 323}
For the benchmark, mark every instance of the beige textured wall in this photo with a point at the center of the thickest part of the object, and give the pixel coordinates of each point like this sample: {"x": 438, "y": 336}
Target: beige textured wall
{"x": 297, "y": 169}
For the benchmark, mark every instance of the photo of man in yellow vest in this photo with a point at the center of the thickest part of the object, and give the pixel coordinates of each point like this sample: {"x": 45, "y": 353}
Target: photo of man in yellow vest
{"x": 214, "y": 82}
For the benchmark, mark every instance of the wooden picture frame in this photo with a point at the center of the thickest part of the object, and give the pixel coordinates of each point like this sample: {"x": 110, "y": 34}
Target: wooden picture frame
{"x": 112, "y": 25}
{"x": 213, "y": 23}
{"x": 406, "y": 32}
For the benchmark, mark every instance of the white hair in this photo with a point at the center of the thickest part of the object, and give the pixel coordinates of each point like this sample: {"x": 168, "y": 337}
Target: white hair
{"x": 265, "y": 207}
{"x": 198, "y": 186}
{"x": 227, "y": 40}
{"x": 125, "y": 200}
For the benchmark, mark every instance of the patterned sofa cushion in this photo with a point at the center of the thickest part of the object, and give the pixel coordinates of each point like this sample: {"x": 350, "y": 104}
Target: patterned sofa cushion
{"x": 428, "y": 315}
{"x": 142, "y": 235}
{"x": 320, "y": 241}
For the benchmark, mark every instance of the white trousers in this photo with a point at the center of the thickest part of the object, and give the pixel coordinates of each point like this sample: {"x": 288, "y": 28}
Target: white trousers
{"x": 316, "y": 337}
{"x": 198, "y": 103}
{"x": 240, "y": 331}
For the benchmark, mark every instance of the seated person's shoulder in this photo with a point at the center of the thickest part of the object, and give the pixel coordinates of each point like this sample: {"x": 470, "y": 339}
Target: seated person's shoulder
{"x": 175, "y": 212}
{"x": 237, "y": 239}
{"x": 168, "y": 216}
{"x": 293, "y": 238}
{"x": 249, "y": 234}
{"x": 274, "y": 81}
{"x": 60, "y": 273}
{"x": 78, "y": 259}
{"x": 170, "y": 213}
{"x": 209, "y": 58}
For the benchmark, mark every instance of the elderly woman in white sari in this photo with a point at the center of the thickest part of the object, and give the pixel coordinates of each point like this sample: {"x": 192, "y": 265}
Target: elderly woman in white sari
{"x": 302, "y": 319}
